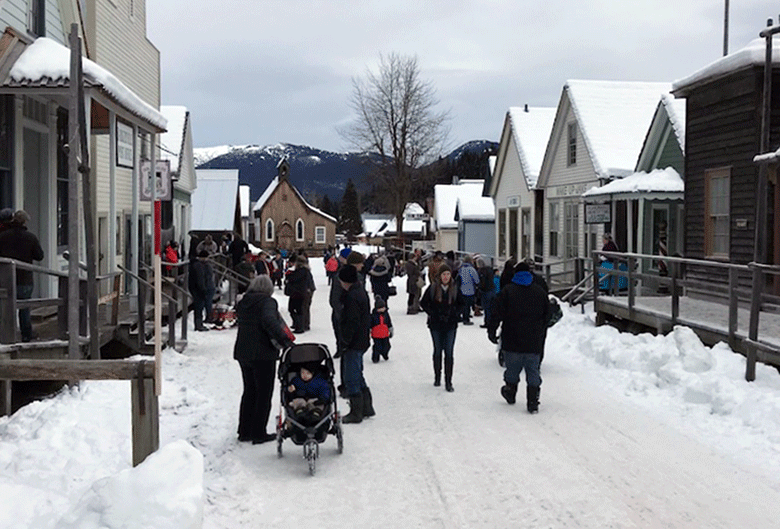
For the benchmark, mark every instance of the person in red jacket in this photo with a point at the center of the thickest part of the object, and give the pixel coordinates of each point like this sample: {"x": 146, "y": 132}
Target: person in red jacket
{"x": 381, "y": 330}
{"x": 171, "y": 256}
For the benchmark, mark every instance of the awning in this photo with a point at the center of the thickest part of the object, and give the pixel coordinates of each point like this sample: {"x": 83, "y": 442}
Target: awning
{"x": 45, "y": 64}
{"x": 659, "y": 184}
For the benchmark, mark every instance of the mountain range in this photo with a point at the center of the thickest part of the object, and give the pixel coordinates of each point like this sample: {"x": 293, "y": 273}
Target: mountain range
{"x": 314, "y": 172}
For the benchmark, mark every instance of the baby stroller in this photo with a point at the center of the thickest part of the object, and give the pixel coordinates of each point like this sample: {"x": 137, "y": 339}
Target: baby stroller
{"x": 303, "y": 429}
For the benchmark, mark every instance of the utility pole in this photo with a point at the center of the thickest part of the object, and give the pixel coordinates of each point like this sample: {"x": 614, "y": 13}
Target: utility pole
{"x": 726, "y": 30}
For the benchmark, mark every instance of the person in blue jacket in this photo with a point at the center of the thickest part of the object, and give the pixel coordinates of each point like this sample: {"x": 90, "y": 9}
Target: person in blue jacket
{"x": 308, "y": 393}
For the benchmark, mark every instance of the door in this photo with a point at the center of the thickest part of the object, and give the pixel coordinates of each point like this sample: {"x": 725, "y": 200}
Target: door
{"x": 36, "y": 197}
{"x": 284, "y": 236}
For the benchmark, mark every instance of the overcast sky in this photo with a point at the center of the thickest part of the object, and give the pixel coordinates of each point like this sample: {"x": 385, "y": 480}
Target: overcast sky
{"x": 280, "y": 71}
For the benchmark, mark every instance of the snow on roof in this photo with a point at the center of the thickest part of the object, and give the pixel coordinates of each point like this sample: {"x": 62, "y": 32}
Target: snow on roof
{"x": 244, "y": 201}
{"x": 269, "y": 191}
{"x": 751, "y": 55}
{"x": 675, "y": 108}
{"x": 47, "y": 61}
{"x": 658, "y": 181}
{"x": 492, "y": 164}
{"x": 472, "y": 207}
{"x": 172, "y": 141}
{"x": 446, "y": 199}
{"x": 613, "y": 117}
{"x": 214, "y": 200}
{"x": 531, "y": 128}
{"x": 379, "y": 224}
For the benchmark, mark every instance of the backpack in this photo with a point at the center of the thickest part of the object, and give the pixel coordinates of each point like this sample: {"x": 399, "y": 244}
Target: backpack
{"x": 556, "y": 313}
{"x": 332, "y": 265}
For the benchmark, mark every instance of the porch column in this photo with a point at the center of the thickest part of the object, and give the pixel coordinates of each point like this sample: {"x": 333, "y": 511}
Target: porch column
{"x": 640, "y": 230}
{"x": 134, "y": 220}
{"x": 112, "y": 227}
{"x": 630, "y": 226}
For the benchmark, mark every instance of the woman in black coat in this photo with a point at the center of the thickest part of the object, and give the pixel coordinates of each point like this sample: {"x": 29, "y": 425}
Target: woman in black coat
{"x": 444, "y": 305}
{"x": 260, "y": 335}
{"x": 296, "y": 284}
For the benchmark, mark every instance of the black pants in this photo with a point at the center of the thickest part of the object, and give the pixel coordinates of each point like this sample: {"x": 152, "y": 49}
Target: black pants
{"x": 256, "y": 401}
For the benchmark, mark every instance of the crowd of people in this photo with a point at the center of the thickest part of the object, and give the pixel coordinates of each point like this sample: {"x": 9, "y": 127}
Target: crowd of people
{"x": 449, "y": 289}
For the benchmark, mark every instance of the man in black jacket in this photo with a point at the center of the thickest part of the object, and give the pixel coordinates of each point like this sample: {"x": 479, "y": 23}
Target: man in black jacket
{"x": 354, "y": 341}
{"x": 201, "y": 283}
{"x": 18, "y": 243}
{"x": 522, "y": 310}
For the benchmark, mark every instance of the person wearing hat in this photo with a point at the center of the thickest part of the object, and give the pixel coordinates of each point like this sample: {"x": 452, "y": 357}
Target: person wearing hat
{"x": 354, "y": 329}
{"x": 6, "y": 216}
{"x": 16, "y": 242}
{"x": 444, "y": 304}
{"x": 358, "y": 260}
{"x": 336, "y": 304}
{"x": 522, "y": 309}
{"x": 201, "y": 283}
{"x": 308, "y": 393}
{"x": 381, "y": 330}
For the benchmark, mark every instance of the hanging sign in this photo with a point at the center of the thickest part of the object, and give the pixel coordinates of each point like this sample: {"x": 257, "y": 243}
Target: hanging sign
{"x": 598, "y": 213}
{"x": 164, "y": 191}
{"x": 124, "y": 145}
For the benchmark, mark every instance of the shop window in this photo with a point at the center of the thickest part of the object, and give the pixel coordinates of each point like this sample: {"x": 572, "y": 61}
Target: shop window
{"x": 717, "y": 185}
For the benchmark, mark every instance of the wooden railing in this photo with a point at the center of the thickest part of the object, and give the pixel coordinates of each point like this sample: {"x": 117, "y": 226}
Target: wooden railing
{"x": 730, "y": 292}
{"x": 145, "y": 408}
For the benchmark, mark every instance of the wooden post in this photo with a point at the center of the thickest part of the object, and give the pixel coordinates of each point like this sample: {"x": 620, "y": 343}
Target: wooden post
{"x": 185, "y": 302}
{"x": 733, "y": 306}
{"x": 74, "y": 351}
{"x": 631, "y": 293}
{"x": 172, "y": 309}
{"x": 146, "y": 419}
{"x": 675, "y": 294}
{"x": 755, "y": 310}
{"x": 141, "y": 310}
{"x": 5, "y": 398}
{"x": 62, "y": 310}
{"x": 117, "y": 298}
{"x": 7, "y": 303}
{"x": 595, "y": 279}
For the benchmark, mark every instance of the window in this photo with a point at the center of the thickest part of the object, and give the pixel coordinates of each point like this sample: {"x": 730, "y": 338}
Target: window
{"x": 6, "y": 150}
{"x": 299, "y": 232}
{"x": 571, "y": 158}
{"x": 555, "y": 227}
{"x": 513, "y": 220}
{"x": 717, "y": 190}
{"x": 526, "y": 234}
{"x": 36, "y": 18}
{"x": 269, "y": 230}
{"x": 319, "y": 234}
{"x": 572, "y": 231}
{"x": 501, "y": 232}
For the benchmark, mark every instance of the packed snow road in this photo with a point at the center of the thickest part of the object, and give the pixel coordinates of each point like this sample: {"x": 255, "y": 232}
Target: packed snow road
{"x": 593, "y": 457}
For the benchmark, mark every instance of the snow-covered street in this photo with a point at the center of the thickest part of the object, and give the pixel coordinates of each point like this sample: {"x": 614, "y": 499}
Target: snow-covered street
{"x": 633, "y": 431}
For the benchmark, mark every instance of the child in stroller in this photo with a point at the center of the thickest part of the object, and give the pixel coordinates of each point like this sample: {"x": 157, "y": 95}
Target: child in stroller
{"x": 308, "y": 394}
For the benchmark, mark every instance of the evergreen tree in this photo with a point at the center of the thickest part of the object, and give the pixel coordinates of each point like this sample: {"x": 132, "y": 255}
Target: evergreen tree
{"x": 326, "y": 206}
{"x": 350, "y": 223}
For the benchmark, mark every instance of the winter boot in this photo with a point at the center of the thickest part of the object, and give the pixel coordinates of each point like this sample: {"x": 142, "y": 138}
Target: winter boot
{"x": 532, "y": 398}
{"x": 448, "y": 364}
{"x": 436, "y": 370}
{"x": 368, "y": 403}
{"x": 355, "y": 414}
{"x": 509, "y": 392}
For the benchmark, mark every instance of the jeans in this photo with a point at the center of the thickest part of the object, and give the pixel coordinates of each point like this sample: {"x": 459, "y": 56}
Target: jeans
{"x": 25, "y": 324}
{"x": 468, "y": 303}
{"x": 516, "y": 362}
{"x": 487, "y": 301}
{"x": 443, "y": 343}
{"x": 354, "y": 383}
{"x": 208, "y": 303}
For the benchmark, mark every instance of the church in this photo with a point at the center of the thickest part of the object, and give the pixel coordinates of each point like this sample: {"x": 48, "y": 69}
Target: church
{"x": 284, "y": 220}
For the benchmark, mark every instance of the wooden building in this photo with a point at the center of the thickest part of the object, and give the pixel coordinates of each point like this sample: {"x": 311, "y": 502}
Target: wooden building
{"x": 723, "y": 132}
{"x": 284, "y": 220}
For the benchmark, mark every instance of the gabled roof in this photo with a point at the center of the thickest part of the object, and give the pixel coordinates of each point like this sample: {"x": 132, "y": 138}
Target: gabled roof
{"x": 531, "y": 127}
{"x": 613, "y": 117}
{"x": 172, "y": 141}
{"x": 669, "y": 114}
{"x": 475, "y": 208}
{"x": 446, "y": 200}
{"x": 272, "y": 187}
{"x": 214, "y": 201}
{"x": 46, "y": 63}
{"x": 754, "y": 54}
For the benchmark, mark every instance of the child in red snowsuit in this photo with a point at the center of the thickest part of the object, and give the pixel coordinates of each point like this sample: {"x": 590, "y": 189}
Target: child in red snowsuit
{"x": 381, "y": 330}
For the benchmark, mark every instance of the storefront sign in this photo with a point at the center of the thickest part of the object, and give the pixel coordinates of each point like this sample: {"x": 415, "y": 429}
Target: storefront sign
{"x": 571, "y": 190}
{"x": 124, "y": 145}
{"x": 164, "y": 191}
{"x": 598, "y": 213}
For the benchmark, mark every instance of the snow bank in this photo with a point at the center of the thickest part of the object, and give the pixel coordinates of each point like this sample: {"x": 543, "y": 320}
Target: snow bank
{"x": 164, "y": 492}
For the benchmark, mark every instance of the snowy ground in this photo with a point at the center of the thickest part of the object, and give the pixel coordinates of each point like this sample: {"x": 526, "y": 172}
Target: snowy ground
{"x": 633, "y": 431}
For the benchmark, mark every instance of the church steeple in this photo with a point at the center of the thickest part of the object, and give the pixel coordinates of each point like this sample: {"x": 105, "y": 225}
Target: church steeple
{"x": 283, "y": 168}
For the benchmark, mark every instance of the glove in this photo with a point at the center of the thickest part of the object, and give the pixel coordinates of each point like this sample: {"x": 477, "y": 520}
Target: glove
{"x": 492, "y": 336}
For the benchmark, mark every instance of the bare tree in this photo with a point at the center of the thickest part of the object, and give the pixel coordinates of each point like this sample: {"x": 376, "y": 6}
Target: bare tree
{"x": 397, "y": 119}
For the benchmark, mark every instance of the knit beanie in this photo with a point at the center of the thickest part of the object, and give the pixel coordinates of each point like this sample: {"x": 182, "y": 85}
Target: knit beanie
{"x": 355, "y": 258}
{"x": 348, "y": 274}
{"x": 379, "y": 303}
{"x": 345, "y": 253}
